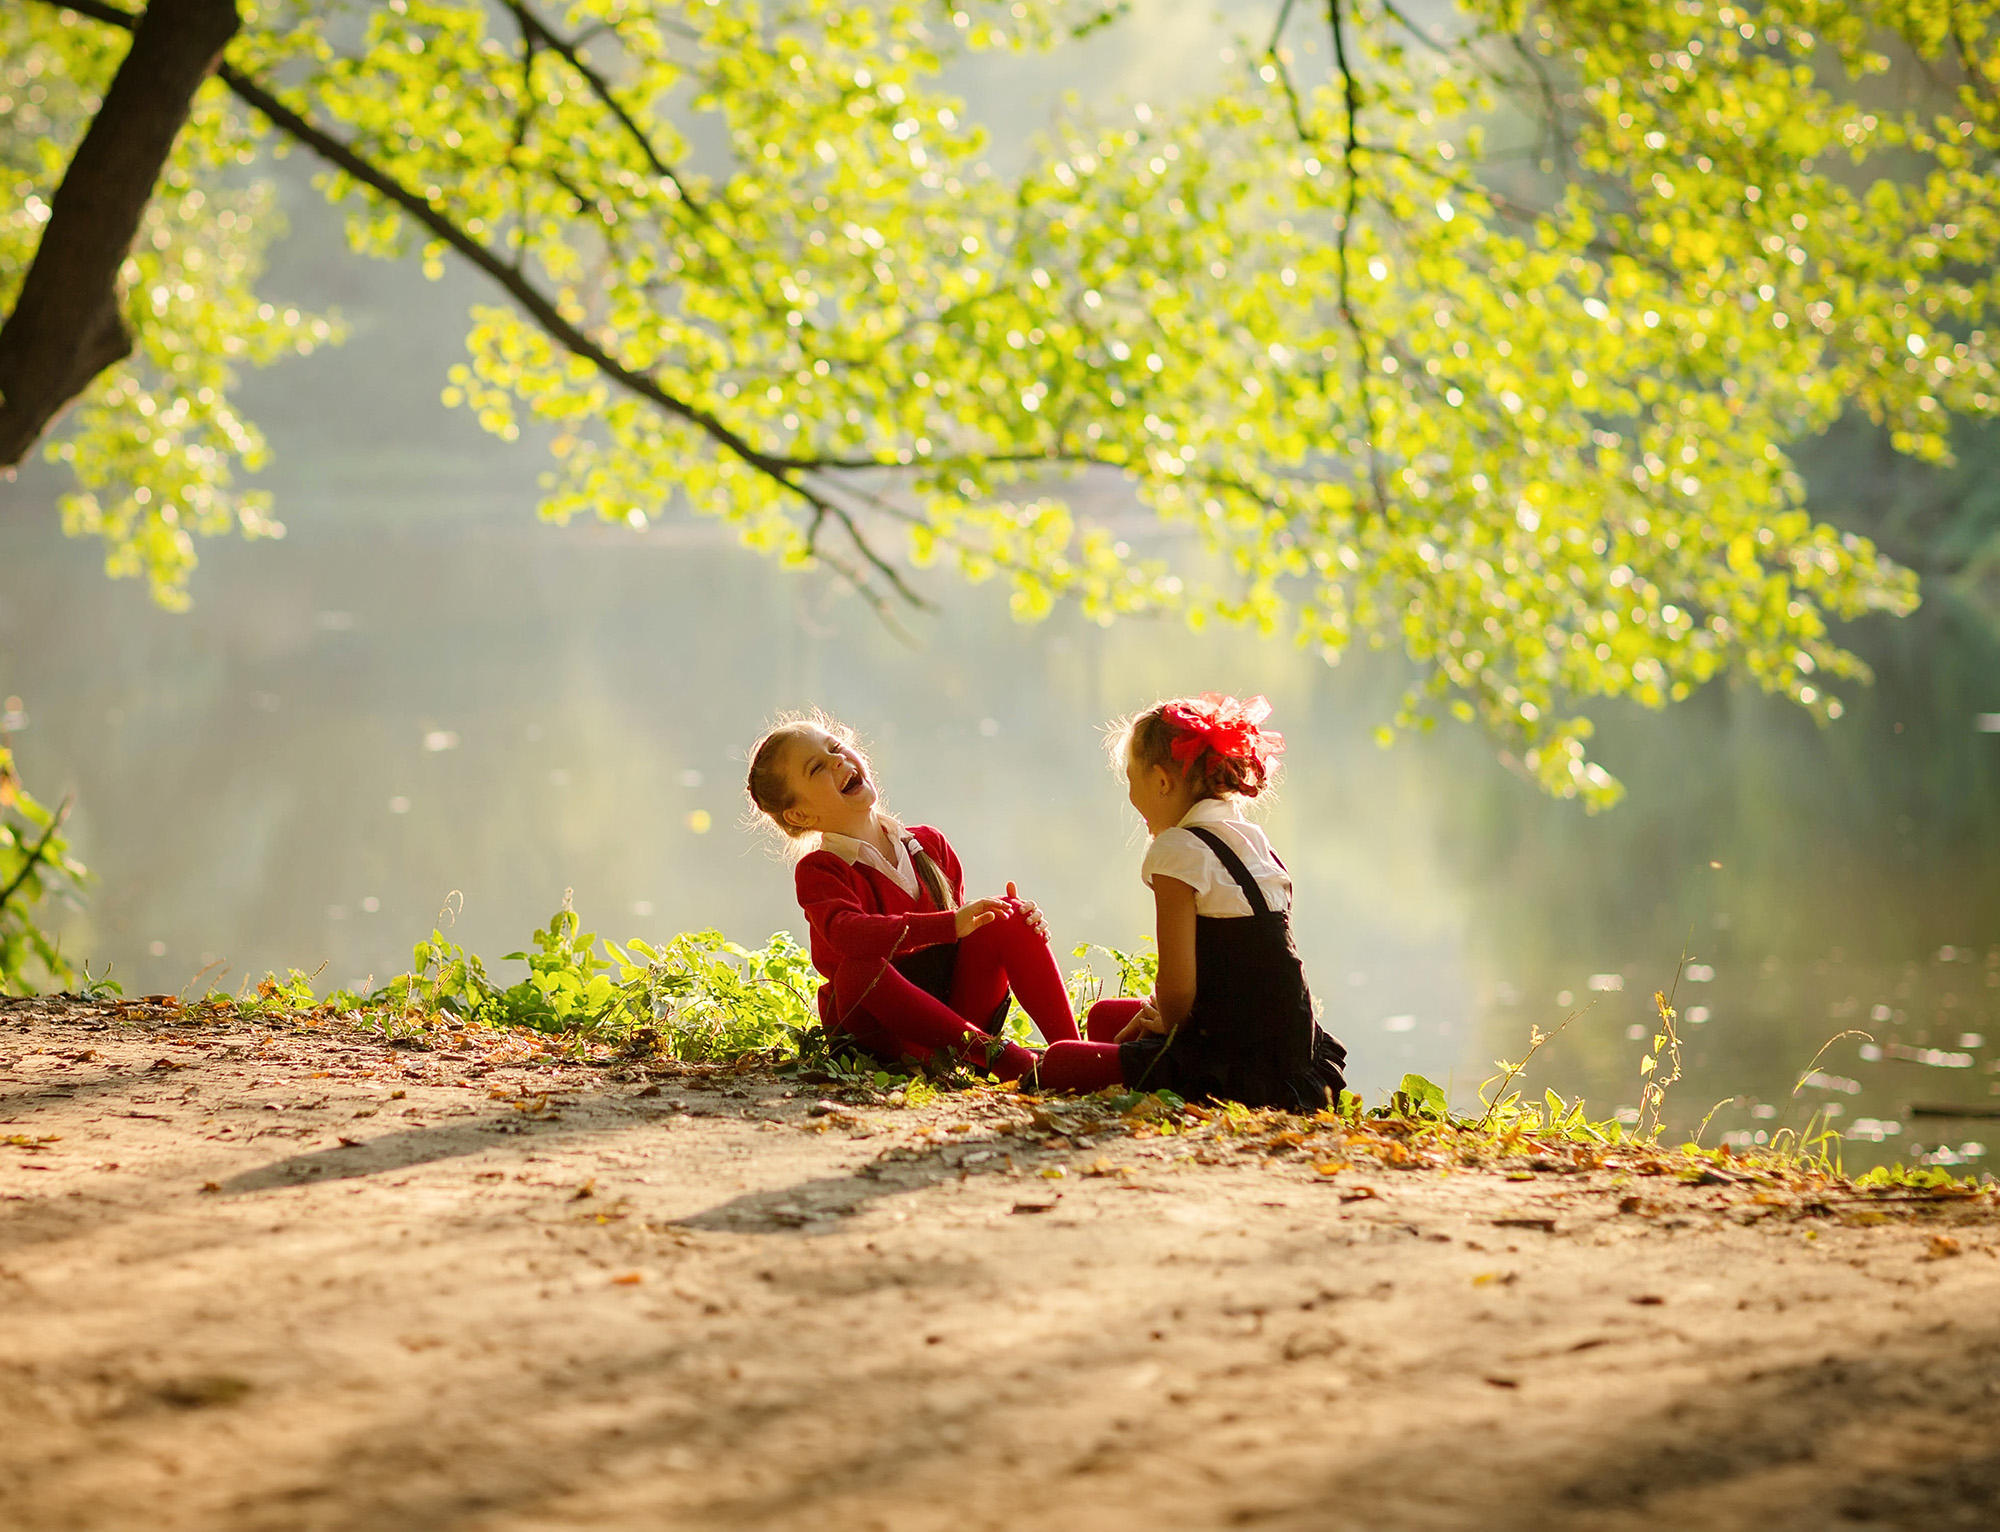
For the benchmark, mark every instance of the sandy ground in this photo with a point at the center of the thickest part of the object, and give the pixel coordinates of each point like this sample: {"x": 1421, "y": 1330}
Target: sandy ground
{"x": 258, "y": 1279}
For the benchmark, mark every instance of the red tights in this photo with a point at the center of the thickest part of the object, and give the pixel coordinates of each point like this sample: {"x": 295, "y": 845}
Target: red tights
{"x": 894, "y": 1019}
{"x": 1091, "y": 1064}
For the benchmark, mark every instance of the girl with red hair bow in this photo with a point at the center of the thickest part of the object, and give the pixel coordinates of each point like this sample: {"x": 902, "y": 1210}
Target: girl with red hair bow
{"x": 1231, "y": 1016}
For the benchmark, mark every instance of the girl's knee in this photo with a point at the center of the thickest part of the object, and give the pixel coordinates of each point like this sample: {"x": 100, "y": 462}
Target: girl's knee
{"x": 1002, "y": 931}
{"x": 1108, "y": 1018}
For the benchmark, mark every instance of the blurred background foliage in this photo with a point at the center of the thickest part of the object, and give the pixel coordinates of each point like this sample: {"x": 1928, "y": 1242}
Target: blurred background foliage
{"x": 1485, "y": 332}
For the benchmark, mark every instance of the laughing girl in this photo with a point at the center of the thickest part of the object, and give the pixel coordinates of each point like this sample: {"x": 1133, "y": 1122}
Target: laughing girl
{"x": 913, "y": 971}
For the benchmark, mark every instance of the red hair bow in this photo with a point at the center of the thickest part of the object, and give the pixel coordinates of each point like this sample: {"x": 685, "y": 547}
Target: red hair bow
{"x": 1224, "y": 725}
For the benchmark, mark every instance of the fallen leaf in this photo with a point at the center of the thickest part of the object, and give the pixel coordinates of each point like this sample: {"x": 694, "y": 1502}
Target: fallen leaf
{"x": 1649, "y": 1300}
{"x": 420, "y": 1342}
{"x": 1359, "y": 1194}
{"x": 1489, "y": 1278}
{"x": 201, "y": 1392}
{"x": 1502, "y": 1382}
{"x": 1942, "y": 1246}
{"x": 628, "y": 1279}
{"x": 1031, "y": 1207}
{"x": 1300, "y": 1347}
{"x": 588, "y": 1189}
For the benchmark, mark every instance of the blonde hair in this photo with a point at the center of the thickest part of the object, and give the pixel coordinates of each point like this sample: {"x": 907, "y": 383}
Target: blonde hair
{"x": 768, "y": 784}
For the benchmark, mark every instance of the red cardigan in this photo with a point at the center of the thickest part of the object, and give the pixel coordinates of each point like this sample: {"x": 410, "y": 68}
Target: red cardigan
{"x": 858, "y": 917}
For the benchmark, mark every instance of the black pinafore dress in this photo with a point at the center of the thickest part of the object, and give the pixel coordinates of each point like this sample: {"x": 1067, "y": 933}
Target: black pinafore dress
{"x": 1250, "y": 1035}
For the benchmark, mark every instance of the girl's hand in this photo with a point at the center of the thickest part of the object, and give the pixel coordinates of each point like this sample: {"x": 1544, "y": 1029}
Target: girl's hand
{"x": 1030, "y": 912}
{"x": 1148, "y": 1020}
{"x": 970, "y": 917}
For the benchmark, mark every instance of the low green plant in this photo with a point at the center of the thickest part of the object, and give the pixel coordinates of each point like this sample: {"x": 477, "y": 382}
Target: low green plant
{"x": 1138, "y": 974}
{"x": 36, "y": 869}
{"x": 95, "y": 986}
{"x": 1901, "y": 1177}
{"x": 274, "y": 996}
{"x": 1815, "y": 1146}
{"x": 1418, "y": 1098}
{"x": 710, "y": 997}
{"x": 1660, "y": 1065}
{"x": 698, "y": 996}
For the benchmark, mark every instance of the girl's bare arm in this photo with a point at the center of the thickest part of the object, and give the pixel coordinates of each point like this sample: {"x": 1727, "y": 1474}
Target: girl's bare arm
{"x": 1173, "y": 995}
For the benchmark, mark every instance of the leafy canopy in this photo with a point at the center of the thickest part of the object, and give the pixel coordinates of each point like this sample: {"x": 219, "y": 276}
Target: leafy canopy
{"x": 1486, "y": 338}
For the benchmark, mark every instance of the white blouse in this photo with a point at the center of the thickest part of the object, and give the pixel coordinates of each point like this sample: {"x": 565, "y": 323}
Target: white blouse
{"x": 903, "y": 871}
{"x": 1179, "y": 854}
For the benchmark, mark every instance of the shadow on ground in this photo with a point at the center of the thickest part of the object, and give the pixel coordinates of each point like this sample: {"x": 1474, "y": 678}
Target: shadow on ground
{"x": 390, "y": 1152}
{"x": 820, "y": 1204}
{"x": 1892, "y": 1433}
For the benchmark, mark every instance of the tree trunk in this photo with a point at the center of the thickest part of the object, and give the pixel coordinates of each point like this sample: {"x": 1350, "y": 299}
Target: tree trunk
{"x": 66, "y": 328}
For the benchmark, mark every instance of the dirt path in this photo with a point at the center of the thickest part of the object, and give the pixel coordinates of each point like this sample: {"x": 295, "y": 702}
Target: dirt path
{"x": 265, "y": 1279}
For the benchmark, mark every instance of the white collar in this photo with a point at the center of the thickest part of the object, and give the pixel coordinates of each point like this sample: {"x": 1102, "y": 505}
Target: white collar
{"x": 1211, "y": 811}
{"x": 850, "y": 849}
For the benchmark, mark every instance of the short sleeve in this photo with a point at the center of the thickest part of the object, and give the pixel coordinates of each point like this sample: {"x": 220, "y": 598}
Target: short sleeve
{"x": 1180, "y": 855}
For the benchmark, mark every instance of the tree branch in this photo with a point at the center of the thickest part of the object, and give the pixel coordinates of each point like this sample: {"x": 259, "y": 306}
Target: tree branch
{"x": 1396, "y": 14}
{"x": 1968, "y": 58}
{"x": 65, "y": 328}
{"x": 1364, "y": 366}
{"x": 1276, "y": 61}
{"x": 785, "y": 471}
{"x": 532, "y": 25}
{"x": 538, "y": 305}
{"x": 1551, "y": 104}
